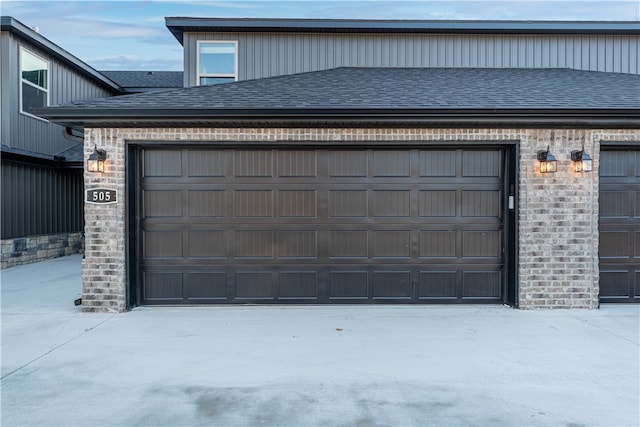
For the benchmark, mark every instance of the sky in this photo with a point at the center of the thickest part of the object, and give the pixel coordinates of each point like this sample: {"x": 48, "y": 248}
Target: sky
{"x": 132, "y": 35}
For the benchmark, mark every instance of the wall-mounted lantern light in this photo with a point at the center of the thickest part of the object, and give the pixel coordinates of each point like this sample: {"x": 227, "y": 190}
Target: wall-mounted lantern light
{"x": 581, "y": 161}
{"x": 547, "y": 161}
{"x": 96, "y": 160}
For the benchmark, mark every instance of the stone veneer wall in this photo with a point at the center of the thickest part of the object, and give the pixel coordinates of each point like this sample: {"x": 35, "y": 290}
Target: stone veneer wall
{"x": 557, "y": 222}
{"x": 26, "y": 250}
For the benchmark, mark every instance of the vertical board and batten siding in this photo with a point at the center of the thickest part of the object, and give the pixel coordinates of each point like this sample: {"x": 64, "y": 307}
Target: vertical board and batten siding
{"x": 65, "y": 85}
{"x": 8, "y": 96}
{"x": 40, "y": 200}
{"x": 271, "y": 54}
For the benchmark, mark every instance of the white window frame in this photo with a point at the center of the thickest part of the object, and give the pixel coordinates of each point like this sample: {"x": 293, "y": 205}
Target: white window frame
{"x": 235, "y": 65}
{"x": 46, "y": 90}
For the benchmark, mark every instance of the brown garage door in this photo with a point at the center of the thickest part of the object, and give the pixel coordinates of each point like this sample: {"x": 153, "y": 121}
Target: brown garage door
{"x": 321, "y": 226}
{"x": 620, "y": 225}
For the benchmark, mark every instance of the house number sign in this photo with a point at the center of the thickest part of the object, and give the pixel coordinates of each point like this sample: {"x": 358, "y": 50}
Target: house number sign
{"x": 101, "y": 196}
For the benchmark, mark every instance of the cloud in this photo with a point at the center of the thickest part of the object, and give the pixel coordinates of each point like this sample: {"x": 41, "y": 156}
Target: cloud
{"x": 94, "y": 28}
{"x": 128, "y": 63}
{"x": 238, "y": 4}
{"x": 479, "y": 9}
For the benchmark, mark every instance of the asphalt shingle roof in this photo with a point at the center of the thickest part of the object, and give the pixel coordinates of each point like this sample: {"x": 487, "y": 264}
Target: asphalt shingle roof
{"x": 74, "y": 153}
{"x": 146, "y": 79}
{"x": 402, "y": 88}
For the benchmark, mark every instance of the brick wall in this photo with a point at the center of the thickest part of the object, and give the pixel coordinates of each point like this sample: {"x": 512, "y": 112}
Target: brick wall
{"x": 558, "y": 225}
{"x": 557, "y": 222}
{"x": 26, "y": 250}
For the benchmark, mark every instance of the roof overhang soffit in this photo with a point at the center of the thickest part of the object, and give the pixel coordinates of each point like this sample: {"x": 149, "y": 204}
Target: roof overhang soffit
{"x": 78, "y": 118}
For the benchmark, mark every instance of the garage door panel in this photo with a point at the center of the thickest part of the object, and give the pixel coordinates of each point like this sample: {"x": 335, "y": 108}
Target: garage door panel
{"x": 207, "y": 163}
{"x": 438, "y": 285}
{"x": 163, "y": 285}
{"x": 348, "y": 244}
{"x": 391, "y": 203}
{"x": 159, "y": 203}
{"x": 163, "y": 244}
{"x": 298, "y": 285}
{"x": 481, "y": 284}
{"x": 438, "y": 163}
{"x": 206, "y": 286}
{"x": 614, "y": 244}
{"x": 481, "y": 163}
{"x": 348, "y": 203}
{"x": 253, "y": 163}
{"x": 254, "y": 244}
{"x": 351, "y": 284}
{"x": 391, "y": 163}
{"x": 437, "y": 203}
{"x": 207, "y": 203}
{"x": 298, "y": 244}
{"x": 481, "y": 244}
{"x": 614, "y": 283}
{"x": 321, "y": 226}
{"x": 254, "y": 285}
{"x": 391, "y": 244}
{"x": 162, "y": 163}
{"x": 297, "y": 164}
{"x": 481, "y": 203}
{"x": 614, "y": 164}
{"x": 348, "y": 163}
{"x": 392, "y": 285}
{"x": 614, "y": 204}
{"x": 297, "y": 203}
{"x": 207, "y": 244}
{"x": 253, "y": 203}
{"x": 438, "y": 244}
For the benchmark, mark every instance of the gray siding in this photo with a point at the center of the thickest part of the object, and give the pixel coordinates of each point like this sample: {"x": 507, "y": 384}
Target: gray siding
{"x": 39, "y": 200}
{"x": 268, "y": 54}
{"x": 7, "y": 94}
{"x": 27, "y": 132}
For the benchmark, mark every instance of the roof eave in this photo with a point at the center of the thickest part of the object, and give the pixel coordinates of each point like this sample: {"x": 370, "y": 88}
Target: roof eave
{"x": 23, "y": 156}
{"x": 12, "y": 25}
{"x": 581, "y": 118}
{"x": 179, "y": 25}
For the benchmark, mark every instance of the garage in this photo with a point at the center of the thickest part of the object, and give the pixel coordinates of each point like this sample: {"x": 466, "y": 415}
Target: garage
{"x": 322, "y": 225}
{"x": 619, "y": 224}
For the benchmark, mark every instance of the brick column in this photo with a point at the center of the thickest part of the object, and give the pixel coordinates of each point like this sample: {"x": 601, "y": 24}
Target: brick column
{"x": 558, "y": 224}
{"x": 104, "y": 266}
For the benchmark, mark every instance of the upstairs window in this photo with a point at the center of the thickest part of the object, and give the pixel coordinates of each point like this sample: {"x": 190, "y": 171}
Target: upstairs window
{"x": 217, "y": 62}
{"x": 34, "y": 89}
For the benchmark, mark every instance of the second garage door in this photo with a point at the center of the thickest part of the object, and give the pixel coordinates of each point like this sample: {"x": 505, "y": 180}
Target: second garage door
{"x": 619, "y": 225}
{"x": 229, "y": 225}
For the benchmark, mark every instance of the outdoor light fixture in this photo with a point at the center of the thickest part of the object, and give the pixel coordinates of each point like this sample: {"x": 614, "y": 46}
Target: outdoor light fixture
{"x": 581, "y": 161}
{"x": 96, "y": 160}
{"x": 548, "y": 162}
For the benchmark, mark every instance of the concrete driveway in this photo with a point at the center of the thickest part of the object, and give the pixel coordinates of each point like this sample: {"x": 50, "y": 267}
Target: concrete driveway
{"x": 299, "y": 366}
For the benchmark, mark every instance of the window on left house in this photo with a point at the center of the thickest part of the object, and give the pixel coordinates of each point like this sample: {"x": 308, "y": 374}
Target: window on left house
{"x": 34, "y": 72}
